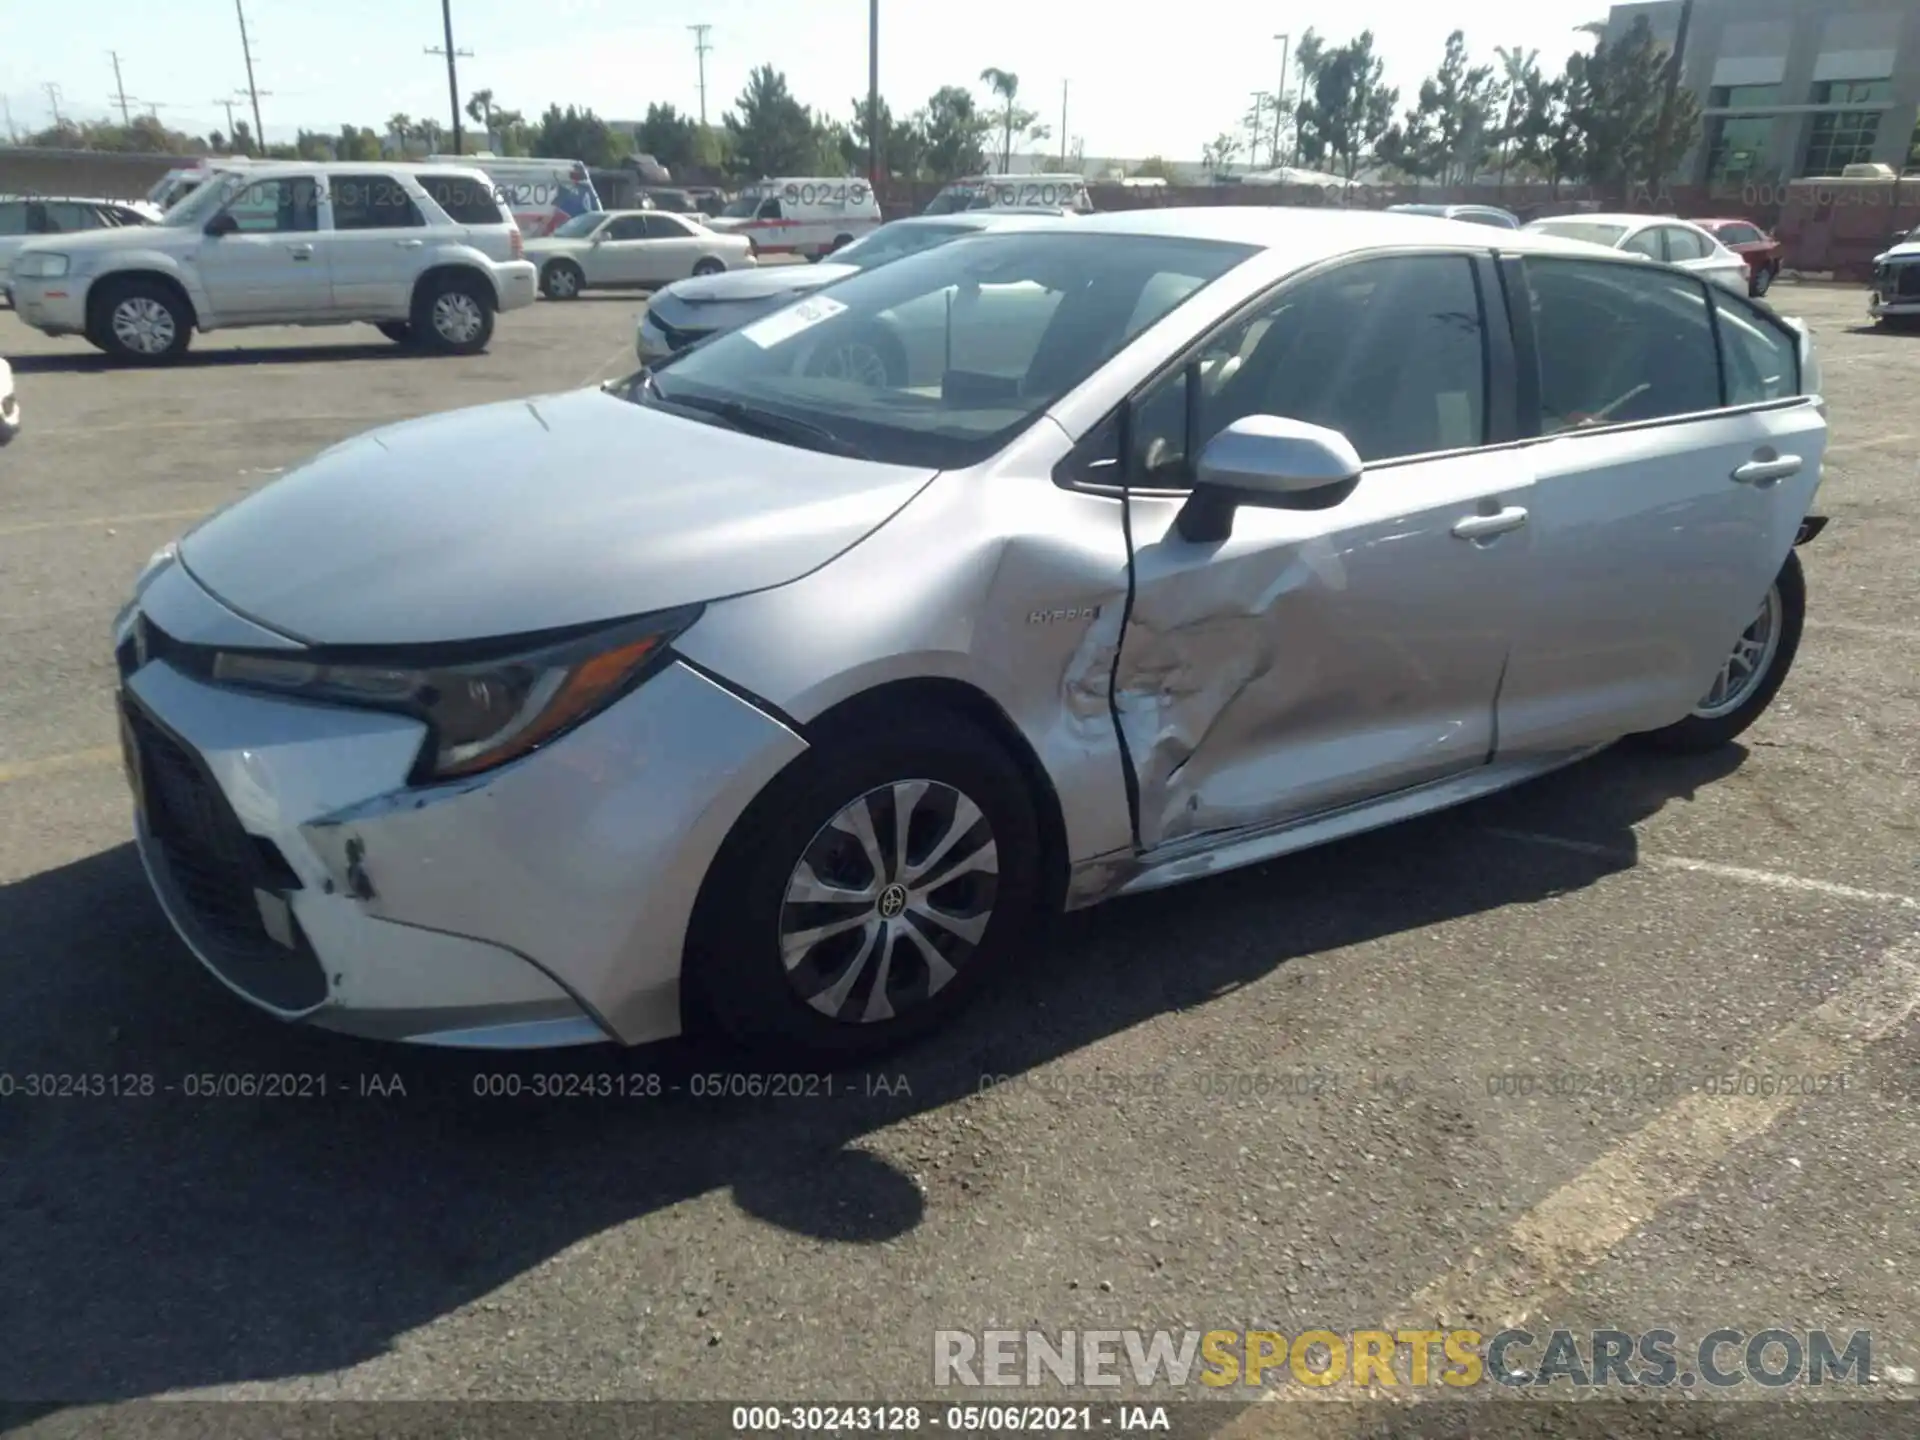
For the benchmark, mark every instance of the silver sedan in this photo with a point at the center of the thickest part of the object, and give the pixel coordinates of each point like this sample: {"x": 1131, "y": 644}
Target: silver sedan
{"x": 760, "y": 696}
{"x": 1655, "y": 237}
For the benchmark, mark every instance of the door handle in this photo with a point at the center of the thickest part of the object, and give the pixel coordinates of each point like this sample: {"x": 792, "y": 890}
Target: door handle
{"x": 1763, "y": 473}
{"x": 409, "y": 244}
{"x": 301, "y": 252}
{"x": 1483, "y": 527}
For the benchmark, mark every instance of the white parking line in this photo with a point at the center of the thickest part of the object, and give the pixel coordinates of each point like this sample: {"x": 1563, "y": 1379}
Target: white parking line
{"x": 1547, "y": 1249}
{"x": 104, "y": 521}
{"x": 1876, "y": 443}
{"x": 1858, "y": 627}
{"x": 360, "y": 418}
{"x": 1745, "y": 875}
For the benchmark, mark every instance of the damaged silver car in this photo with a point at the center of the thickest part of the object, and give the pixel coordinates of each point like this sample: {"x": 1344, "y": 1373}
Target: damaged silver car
{"x": 780, "y": 699}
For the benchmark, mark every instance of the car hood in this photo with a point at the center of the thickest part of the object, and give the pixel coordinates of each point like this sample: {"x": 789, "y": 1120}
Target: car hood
{"x": 116, "y": 237}
{"x": 1908, "y": 251}
{"x": 532, "y": 515}
{"x": 767, "y": 284}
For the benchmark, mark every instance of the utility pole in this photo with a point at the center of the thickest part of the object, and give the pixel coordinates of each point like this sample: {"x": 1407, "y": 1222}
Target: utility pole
{"x": 700, "y": 49}
{"x": 1063, "y": 126}
{"x": 228, "y": 102}
{"x": 253, "y": 92}
{"x": 453, "y": 78}
{"x": 876, "y": 134}
{"x": 120, "y": 88}
{"x": 1280, "y": 95}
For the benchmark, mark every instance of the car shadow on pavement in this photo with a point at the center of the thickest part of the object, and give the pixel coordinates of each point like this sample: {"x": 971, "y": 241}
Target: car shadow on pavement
{"x": 159, "y": 1240}
{"x": 91, "y": 361}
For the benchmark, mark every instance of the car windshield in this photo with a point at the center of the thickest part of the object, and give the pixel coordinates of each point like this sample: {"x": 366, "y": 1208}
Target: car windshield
{"x": 742, "y": 207}
{"x": 580, "y": 226}
{"x": 892, "y": 242}
{"x": 940, "y": 358}
{"x": 953, "y": 198}
{"x": 1592, "y": 232}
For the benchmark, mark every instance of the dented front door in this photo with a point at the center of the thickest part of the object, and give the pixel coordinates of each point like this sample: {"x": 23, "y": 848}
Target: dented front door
{"x": 1319, "y": 658}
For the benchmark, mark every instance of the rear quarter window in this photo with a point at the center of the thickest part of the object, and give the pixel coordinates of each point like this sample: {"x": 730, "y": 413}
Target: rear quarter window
{"x": 1761, "y": 357}
{"x": 467, "y": 201}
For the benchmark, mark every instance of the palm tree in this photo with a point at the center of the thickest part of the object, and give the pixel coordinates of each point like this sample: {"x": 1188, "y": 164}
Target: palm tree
{"x": 1515, "y": 69}
{"x": 1006, "y": 85}
{"x": 480, "y": 109}
{"x": 400, "y": 126}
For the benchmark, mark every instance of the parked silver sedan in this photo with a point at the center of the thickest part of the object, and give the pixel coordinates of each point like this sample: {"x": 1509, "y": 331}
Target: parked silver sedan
{"x": 1655, "y": 237}
{"x": 688, "y": 312}
{"x": 746, "y": 697}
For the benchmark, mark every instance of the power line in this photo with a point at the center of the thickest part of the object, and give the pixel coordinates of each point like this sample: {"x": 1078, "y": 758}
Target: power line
{"x": 253, "y": 91}
{"x": 700, "y": 49}
{"x": 453, "y": 78}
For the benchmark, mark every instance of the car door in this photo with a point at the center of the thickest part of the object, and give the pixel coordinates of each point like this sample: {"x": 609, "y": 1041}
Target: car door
{"x": 672, "y": 250}
{"x": 374, "y": 247}
{"x": 1665, "y": 496}
{"x": 270, "y": 266}
{"x": 1319, "y": 658}
{"x": 620, "y": 253}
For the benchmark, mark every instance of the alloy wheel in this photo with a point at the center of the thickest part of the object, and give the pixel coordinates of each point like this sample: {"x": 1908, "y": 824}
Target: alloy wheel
{"x": 1745, "y": 669}
{"x": 888, "y": 901}
{"x": 143, "y": 325}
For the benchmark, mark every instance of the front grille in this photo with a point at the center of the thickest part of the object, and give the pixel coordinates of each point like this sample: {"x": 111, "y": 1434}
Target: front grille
{"x": 1903, "y": 282}
{"x": 217, "y": 875}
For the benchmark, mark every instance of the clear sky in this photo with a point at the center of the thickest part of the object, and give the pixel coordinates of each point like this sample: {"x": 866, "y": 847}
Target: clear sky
{"x": 1142, "y": 79}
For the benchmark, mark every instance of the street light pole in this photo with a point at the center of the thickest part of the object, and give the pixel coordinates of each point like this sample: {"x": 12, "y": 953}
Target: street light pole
{"x": 1280, "y": 95}
{"x": 876, "y": 137}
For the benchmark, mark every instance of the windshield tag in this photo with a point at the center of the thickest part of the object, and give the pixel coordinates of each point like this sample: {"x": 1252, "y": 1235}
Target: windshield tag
{"x": 787, "y": 323}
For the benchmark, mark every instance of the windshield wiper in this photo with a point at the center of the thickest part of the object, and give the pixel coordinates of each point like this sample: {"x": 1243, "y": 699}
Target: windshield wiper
{"x": 768, "y": 424}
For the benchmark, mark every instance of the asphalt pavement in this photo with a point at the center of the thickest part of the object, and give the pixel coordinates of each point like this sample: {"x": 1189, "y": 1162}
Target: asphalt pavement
{"x": 1485, "y": 1067}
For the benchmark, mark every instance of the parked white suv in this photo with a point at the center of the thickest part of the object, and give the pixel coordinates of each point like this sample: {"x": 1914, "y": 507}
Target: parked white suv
{"x": 426, "y": 253}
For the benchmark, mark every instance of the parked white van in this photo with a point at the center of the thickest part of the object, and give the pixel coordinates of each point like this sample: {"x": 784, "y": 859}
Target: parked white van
{"x": 806, "y": 215}
{"x": 542, "y": 194}
{"x": 1014, "y": 192}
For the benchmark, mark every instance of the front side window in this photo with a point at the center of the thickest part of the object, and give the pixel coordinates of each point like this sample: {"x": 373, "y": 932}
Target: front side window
{"x": 288, "y": 206}
{"x": 1762, "y": 358}
{"x": 769, "y": 210}
{"x": 372, "y": 202}
{"x": 1619, "y": 344}
{"x": 629, "y": 227}
{"x": 942, "y": 357}
{"x": 1388, "y": 352}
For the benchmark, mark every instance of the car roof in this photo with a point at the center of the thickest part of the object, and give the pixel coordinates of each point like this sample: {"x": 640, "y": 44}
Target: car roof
{"x": 78, "y": 200}
{"x": 1317, "y": 234}
{"x": 972, "y": 219}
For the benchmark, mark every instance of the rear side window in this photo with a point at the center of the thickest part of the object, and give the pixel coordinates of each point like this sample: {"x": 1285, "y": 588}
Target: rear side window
{"x": 372, "y": 202}
{"x": 1684, "y": 244}
{"x": 665, "y": 227}
{"x": 1619, "y": 344}
{"x": 1762, "y": 358}
{"x": 467, "y": 201}
{"x": 13, "y": 217}
{"x": 1646, "y": 243}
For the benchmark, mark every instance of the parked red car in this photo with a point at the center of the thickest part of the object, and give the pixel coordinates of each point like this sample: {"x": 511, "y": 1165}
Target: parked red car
{"x": 1752, "y": 244}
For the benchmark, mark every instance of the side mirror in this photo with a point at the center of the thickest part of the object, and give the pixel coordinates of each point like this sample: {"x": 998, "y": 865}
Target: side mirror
{"x": 222, "y": 224}
{"x": 599, "y": 237}
{"x": 1270, "y": 462}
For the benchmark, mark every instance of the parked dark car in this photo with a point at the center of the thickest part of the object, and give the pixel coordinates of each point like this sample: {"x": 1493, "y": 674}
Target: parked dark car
{"x": 1762, "y": 252}
{"x": 669, "y": 198}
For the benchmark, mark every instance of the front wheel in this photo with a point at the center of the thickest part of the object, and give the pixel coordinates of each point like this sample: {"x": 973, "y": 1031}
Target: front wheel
{"x": 143, "y": 322}
{"x": 868, "y": 893}
{"x": 1752, "y": 673}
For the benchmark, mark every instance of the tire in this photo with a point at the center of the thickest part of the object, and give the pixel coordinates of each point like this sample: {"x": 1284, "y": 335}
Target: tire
{"x": 141, "y": 322}
{"x": 1763, "y": 282}
{"x": 739, "y": 982}
{"x": 453, "y": 314}
{"x": 870, "y": 355}
{"x": 840, "y": 242}
{"x": 1709, "y": 727}
{"x": 709, "y": 266}
{"x": 398, "y": 331}
{"x": 562, "y": 280}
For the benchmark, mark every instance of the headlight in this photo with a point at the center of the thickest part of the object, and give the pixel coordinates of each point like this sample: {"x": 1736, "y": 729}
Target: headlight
{"x": 482, "y": 712}
{"x": 40, "y": 265}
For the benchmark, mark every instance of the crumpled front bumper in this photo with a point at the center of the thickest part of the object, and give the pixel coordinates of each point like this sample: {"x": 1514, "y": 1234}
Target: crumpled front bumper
{"x": 544, "y": 903}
